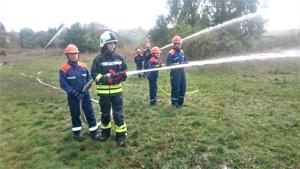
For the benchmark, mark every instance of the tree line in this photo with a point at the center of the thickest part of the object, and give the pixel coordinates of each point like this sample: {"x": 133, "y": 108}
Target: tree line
{"x": 85, "y": 36}
{"x": 186, "y": 17}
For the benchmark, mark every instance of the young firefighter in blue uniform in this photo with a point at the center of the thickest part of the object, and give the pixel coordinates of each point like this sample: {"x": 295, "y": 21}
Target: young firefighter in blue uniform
{"x": 138, "y": 59}
{"x": 73, "y": 76}
{"x": 109, "y": 71}
{"x": 177, "y": 76}
{"x": 146, "y": 55}
{"x": 152, "y": 76}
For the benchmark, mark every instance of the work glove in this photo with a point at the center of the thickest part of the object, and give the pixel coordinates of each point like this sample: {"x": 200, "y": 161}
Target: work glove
{"x": 112, "y": 72}
{"x": 105, "y": 79}
{"x": 109, "y": 80}
{"x": 120, "y": 77}
{"x": 107, "y": 75}
{"x": 79, "y": 95}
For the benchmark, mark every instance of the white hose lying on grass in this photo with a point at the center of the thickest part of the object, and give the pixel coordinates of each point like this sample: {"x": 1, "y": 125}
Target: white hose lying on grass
{"x": 56, "y": 88}
{"x": 53, "y": 87}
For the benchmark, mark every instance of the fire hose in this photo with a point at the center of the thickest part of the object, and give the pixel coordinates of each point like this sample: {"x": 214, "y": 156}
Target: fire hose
{"x": 86, "y": 87}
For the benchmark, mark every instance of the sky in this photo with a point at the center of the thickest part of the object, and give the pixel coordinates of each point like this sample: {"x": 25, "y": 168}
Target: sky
{"x": 116, "y": 14}
{"x": 282, "y": 14}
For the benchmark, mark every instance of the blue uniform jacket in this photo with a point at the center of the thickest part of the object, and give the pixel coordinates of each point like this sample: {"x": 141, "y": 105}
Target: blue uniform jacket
{"x": 73, "y": 77}
{"x": 152, "y": 64}
{"x": 146, "y": 56}
{"x": 138, "y": 59}
{"x": 175, "y": 56}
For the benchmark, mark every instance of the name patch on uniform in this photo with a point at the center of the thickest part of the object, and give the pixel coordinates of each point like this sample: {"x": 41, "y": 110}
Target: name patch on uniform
{"x": 111, "y": 63}
{"x": 71, "y": 77}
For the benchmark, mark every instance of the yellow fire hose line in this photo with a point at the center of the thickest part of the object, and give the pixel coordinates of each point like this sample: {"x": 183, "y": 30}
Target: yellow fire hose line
{"x": 168, "y": 94}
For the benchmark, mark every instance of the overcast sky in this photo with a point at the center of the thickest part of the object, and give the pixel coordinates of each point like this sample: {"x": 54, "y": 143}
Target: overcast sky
{"x": 283, "y": 14}
{"x": 116, "y": 14}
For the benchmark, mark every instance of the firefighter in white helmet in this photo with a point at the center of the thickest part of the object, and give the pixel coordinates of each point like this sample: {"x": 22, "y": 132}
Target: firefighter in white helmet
{"x": 109, "y": 71}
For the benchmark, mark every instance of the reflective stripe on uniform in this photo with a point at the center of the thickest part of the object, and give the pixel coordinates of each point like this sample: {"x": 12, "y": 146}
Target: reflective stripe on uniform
{"x": 121, "y": 129}
{"x": 93, "y": 128}
{"x": 109, "y": 86}
{"x": 109, "y": 89}
{"x": 111, "y": 63}
{"x": 76, "y": 128}
{"x": 98, "y": 77}
{"x": 108, "y": 126}
{"x": 71, "y": 77}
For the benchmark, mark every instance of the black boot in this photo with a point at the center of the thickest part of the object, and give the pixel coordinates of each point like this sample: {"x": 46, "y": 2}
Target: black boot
{"x": 152, "y": 103}
{"x": 105, "y": 133}
{"x": 175, "y": 105}
{"x": 103, "y": 138}
{"x": 95, "y": 135}
{"x": 78, "y": 137}
{"x": 120, "y": 143}
{"x": 181, "y": 101}
{"x": 120, "y": 138}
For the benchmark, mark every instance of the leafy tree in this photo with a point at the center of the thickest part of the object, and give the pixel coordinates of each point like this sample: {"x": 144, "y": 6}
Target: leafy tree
{"x": 132, "y": 38}
{"x": 3, "y": 36}
{"x": 189, "y": 12}
{"x": 41, "y": 38}
{"x": 175, "y": 7}
{"x": 184, "y": 11}
{"x": 13, "y": 39}
{"x": 225, "y": 10}
{"x": 94, "y": 31}
{"x": 51, "y": 32}
{"x": 77, "y": 35}
{"x": 27, "y": 38}
{"x": 184, "y": 29}
{"x": 183, "y": 19}
{"x": 189, "y": 16}
{"x": 159, "y": 34}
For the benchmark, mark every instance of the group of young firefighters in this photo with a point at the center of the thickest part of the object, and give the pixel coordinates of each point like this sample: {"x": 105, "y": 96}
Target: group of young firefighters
{"x": 150, "y": 59}
{"x": 108, "y": 72}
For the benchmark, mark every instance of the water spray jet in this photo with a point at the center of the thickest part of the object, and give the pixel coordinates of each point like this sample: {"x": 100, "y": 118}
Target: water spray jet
{"x": 259, "y": 56}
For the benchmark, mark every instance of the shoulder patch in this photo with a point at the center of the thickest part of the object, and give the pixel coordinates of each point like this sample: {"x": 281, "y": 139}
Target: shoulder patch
{"x": 81, "y": 64}
{"x": 172, "y": 51}
{"x": 65, "y": 67}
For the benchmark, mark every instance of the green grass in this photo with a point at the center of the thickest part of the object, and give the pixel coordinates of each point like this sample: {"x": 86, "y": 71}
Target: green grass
{"x": 244, "y": 115}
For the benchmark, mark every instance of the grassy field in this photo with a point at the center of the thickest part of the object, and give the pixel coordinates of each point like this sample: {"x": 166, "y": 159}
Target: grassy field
{"x": 244, "y": 115}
